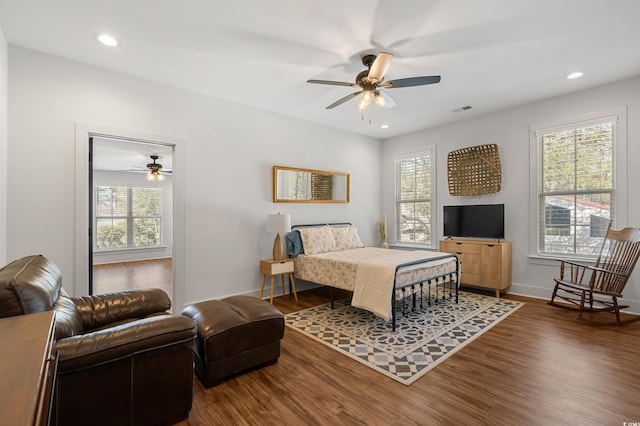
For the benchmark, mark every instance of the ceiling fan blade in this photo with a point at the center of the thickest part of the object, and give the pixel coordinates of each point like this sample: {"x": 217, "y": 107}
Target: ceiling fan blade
{"x": 389, "y": 101}
{"x": 379, "y": 67}
{"x": 333, "y": 83}
{"x": 343, "y": 100}
{"x": 411, "y": 81}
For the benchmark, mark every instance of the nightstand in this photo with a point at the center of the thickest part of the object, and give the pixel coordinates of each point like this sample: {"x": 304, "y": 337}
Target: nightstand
{"x": 277, "y": 267}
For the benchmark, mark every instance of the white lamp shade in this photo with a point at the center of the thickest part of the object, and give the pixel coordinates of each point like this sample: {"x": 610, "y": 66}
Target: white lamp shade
{"x": 279, "y": 223}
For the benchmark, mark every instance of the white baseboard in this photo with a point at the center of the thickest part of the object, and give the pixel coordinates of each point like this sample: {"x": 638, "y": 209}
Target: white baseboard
{"x": 545, "y": 293}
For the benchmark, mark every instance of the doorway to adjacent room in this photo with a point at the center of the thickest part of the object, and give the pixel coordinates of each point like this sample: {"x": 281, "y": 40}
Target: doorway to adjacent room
{"x": 130, "y": 215}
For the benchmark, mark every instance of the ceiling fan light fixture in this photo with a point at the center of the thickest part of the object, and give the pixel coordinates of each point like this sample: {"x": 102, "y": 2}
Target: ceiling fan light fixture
{"x": 361, "y": 106}
{"x": 151, "y": 176}
{"x": 154, "y": 170}
{"x": 366, "y": 99}
{"x": 380, "y": 100}
{"x": 368, "y": 96}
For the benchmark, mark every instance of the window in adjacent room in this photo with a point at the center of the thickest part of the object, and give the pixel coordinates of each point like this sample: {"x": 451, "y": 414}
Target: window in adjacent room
{"x": 576, "y": 187}
{"x": 128, "y": 217}
{"x": 414, "y": 197}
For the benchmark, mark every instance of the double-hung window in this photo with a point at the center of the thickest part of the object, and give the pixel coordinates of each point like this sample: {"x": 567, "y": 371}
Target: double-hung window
{"x": 127, "y": 217}
{"x": 576, "y": 194}
{"x": 414, "y": 197}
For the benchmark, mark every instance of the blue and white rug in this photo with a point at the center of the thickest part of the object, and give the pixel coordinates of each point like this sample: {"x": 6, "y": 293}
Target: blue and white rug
{"x": 421, "y": 341}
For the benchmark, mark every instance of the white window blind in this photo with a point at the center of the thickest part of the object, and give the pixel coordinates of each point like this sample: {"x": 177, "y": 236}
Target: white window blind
{"x": 576, "y": 187}
{"x": 127, "y": 217}
{"x": 414, "y": 198}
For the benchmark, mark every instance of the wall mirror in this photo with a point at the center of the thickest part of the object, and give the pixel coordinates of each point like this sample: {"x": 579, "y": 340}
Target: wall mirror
{"x": 292, "y": 185}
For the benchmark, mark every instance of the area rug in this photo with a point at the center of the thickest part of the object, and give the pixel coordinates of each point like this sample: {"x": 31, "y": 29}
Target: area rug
{"x": 422, "y": 340}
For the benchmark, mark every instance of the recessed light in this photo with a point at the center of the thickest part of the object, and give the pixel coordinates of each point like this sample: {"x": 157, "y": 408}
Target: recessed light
{"x": 384, "y": 126}
{"x": 107, "y": 40}
{"x": 576, "y": 74}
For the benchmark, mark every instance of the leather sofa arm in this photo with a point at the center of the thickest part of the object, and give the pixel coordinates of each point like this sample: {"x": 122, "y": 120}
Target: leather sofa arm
{"x": 110, "y": 344}
{"x": 104, "y": 309}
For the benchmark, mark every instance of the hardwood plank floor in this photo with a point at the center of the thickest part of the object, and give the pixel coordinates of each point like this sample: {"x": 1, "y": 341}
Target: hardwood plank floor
{"x": 153, "y": 273}
{"x": 540, "y": 366}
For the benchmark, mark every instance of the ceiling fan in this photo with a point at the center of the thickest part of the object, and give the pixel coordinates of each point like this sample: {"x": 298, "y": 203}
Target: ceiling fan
{"x": 371, "y": 81}
{"x": 154, "y": 169}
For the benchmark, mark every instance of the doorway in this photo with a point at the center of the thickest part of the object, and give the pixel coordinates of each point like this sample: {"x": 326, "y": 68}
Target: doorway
{"x": 130, "y": 215}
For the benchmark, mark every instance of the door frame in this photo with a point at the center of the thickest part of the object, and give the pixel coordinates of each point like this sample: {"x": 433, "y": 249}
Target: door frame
{"x": 85, "y": 131}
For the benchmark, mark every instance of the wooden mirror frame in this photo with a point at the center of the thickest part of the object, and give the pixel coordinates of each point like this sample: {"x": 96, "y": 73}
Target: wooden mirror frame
{"x": 336, "y": 182}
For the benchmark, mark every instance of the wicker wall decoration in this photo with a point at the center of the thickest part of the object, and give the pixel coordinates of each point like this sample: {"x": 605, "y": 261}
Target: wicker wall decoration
{"x": 474, "y": 170}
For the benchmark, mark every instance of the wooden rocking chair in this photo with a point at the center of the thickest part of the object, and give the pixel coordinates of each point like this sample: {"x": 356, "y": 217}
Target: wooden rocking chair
{"x": 606, "y": 278}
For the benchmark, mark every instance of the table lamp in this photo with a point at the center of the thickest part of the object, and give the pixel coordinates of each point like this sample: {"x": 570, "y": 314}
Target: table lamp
{"x": 278, "y": 223}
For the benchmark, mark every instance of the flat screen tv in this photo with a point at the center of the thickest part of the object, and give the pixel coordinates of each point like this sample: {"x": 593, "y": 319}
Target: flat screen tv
{"x": 474, "y": 221}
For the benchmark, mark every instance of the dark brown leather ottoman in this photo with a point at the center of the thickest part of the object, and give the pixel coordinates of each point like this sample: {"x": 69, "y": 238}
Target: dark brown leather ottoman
{"x": 234, "y": 334}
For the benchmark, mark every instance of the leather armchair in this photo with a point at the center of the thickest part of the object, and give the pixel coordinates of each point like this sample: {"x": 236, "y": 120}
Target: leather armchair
{"x": 122, "y": 358}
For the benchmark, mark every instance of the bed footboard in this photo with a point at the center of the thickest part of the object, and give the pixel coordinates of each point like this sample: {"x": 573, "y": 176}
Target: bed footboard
{"x": 410, "y": 297}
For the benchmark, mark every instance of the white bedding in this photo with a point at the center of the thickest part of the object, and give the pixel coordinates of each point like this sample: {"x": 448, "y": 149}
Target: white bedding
{"x": 369, "y": 272}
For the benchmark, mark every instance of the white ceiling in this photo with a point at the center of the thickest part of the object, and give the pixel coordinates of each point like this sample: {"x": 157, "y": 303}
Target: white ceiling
{"x": 119, "y": 155}
{"x": 491, "y": 54}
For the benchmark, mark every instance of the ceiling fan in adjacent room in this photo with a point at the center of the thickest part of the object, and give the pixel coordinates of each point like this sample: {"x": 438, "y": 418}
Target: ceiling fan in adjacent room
{"x": 154, "y": 169}
{"x": 371, "y": 82}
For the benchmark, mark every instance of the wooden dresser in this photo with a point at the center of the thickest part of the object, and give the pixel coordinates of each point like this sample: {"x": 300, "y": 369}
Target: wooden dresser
{"x": 27, "y": 369}
{"x": 483, "y": 263}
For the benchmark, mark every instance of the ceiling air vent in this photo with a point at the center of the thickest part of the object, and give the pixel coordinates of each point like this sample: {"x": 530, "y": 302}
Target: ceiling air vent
{"x": 464, "y": 108}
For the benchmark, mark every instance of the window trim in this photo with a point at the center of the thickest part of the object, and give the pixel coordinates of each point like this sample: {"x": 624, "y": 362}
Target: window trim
{"x": 431, "y": 150}
{"x": 619, "y": 115}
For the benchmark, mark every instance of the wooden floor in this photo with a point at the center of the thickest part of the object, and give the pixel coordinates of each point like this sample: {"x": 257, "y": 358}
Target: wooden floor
{"x": 540, "y": 366}
{"x": 155, "y": 273}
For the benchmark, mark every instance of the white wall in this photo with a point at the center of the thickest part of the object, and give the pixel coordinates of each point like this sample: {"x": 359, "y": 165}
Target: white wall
{"x": 229, "y": 150}
{"x": 3, "y": 148}
{"x": 510, "y": 130}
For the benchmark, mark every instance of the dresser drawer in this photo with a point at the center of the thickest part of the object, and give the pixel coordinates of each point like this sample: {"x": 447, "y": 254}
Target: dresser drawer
{"x": 470, "y": 278}
{"x": 467, "y": 248}
{"x": 459, "y": 247}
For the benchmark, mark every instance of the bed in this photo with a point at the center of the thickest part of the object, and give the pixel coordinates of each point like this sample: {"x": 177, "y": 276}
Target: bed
{"x": 389, "y": 283}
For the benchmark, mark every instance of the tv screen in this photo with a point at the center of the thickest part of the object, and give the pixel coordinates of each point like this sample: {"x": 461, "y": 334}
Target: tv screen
{"x": 474, "y": 221}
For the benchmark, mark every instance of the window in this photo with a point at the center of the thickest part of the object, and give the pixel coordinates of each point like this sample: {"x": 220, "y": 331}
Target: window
{"x": 128, "y": 217}
{"x": 297, "y": 185}
{"x": 576, "y": 187}
{"x": 414, "y": 197}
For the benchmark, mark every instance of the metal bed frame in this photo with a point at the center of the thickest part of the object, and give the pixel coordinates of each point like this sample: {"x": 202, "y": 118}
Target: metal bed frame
{"x": 408, "y": 307}
{"x": 404, "y": 307}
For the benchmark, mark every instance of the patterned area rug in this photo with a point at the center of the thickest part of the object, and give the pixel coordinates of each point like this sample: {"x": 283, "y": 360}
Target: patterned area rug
{"x": 421, "y": 341}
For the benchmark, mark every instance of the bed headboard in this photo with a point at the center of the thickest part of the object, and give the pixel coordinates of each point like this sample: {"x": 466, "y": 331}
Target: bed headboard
{"x": 320, "y": 224}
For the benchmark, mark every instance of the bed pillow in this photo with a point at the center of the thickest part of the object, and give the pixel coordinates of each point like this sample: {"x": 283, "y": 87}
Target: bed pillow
{"x": 317, "y": 240}
{"x": 346, "y": 237}
{"x": 294, "y": 244}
